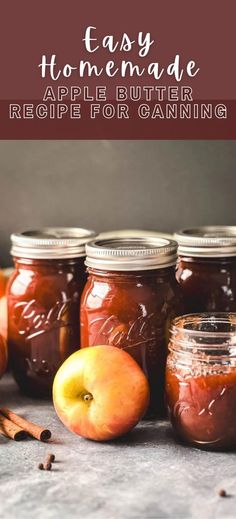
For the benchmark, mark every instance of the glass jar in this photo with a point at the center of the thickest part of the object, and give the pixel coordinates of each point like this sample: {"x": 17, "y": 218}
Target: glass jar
{"x": 206, "y": 269}
{"x": 201, "y": 379}
{"x": 43, "y": 304}
{"x": 129, "y": 300}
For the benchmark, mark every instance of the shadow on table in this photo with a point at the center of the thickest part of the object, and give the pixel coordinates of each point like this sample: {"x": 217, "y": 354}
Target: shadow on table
{"x": 11, "y": 395}
{"x": 161, "y": 433}
{"x": 9, "y": 391}
{"x": 150, "y": 433}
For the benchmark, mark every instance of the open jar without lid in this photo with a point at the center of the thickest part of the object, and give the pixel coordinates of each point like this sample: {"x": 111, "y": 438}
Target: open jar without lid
{"x": 129, "y": 299}
{"x": 206, "y": 268}
{"x": 201, "y": 379}
{"x": 44, "y": 304}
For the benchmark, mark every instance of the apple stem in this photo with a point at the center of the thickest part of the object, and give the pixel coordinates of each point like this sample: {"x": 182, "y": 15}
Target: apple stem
{"x": 88, "y": 396}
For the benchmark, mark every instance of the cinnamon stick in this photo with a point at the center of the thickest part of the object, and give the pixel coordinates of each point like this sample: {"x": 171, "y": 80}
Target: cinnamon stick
{"x": 11, "y": 430}
{"x": 40, "y": 433}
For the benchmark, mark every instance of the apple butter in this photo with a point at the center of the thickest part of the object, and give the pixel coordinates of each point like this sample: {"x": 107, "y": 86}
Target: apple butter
{"x": 43, "y": 304}
{"x": 130, "y": 297}
{"x": 206, "y": 269}
{"x": 201, "y": 380}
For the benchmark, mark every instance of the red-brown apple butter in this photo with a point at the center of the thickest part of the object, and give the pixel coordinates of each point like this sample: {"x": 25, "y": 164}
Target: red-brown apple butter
{"x": 201, "y": 380}
{"x": 206, "y": 269}
{"x": 130, "y": 297}
{"x": 43, "y": 304}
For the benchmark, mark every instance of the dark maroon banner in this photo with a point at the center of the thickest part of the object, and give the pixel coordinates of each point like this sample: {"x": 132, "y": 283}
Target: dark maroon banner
{"x": 118, "y": 70}
{"x": 133, "y": 128}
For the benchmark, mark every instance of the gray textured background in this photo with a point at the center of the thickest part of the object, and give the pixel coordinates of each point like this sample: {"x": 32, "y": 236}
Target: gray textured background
{"x": 105, "y": 185}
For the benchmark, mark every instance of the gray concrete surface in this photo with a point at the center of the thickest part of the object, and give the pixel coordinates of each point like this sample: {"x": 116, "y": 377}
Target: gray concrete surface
{"x": 145, "y": 475}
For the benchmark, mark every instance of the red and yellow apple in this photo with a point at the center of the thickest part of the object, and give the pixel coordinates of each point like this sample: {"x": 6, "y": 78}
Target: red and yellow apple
{"x": 3, "y": 317}
{"x": 100, "y": 392}
{"x": 4, "y": 276}
{"x": 2, "y": 283}
{"x": 3, "y": 356}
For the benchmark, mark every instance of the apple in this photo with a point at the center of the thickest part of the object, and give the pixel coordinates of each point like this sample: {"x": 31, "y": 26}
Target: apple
{"x": 4, "y": 277}
{"x": 100, "y": 392}
{"x": 3, "y": 317}
{"x": 3, "y": 356}
{"x": 2, "y": 283}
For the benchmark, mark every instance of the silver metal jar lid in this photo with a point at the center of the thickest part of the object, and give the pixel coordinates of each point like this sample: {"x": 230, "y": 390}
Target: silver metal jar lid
{"x": 127, "y": 254}
{"x": 132, "y": 233}
{"x": 51, "y": 243}
{"x": 207, "y": 241}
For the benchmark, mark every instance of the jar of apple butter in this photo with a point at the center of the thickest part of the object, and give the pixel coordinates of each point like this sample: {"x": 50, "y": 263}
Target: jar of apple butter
{"x": 206, "y": 268}
{"x": 44, "y": 294}
{"x": 129, "y": 300}
{"x": 201, "y": 380}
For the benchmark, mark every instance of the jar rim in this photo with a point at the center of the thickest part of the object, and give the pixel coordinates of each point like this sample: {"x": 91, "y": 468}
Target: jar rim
{"x": 51, "y": 243}
{"x": 202, "y": 344}
{"x": 207, "y": 241}
{"x": 131, "y": 254}
{"x": 212, "y": 318}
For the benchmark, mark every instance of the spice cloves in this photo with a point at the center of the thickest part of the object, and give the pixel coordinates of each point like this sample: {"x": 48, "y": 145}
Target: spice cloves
{"x": 50, "y": 458}
{"x": 222, "y": 493}
{"x": 47, "y": 466}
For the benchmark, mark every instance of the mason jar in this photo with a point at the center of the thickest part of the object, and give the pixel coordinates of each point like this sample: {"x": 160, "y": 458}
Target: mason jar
{"x": 201, "y": 380}
{"x": 44, "y": 294}
{"x": 206, "y": 268}
{"x": 129, "y": 300}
